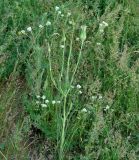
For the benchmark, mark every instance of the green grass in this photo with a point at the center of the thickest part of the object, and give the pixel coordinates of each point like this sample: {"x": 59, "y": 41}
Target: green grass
{"x": 69, "y": 79}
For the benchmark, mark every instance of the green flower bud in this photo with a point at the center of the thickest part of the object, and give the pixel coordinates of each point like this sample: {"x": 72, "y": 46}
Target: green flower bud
{"x": 83, "y": 33}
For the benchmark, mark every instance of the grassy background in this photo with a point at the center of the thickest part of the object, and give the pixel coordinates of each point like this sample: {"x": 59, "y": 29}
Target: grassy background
{"x": 100, "y": 120}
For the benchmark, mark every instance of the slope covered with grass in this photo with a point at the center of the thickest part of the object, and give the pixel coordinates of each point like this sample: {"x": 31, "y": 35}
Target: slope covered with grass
{"x": 69, "y": 80}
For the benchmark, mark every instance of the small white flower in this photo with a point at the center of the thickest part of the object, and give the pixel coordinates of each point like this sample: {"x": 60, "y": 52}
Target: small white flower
{"x": 47, "y": 101}
{"x": 62, "y": 15}
{"x": 84, "y": 110}
{"x": 80, "y": 92}
{"x": 62, "y": 46}
{"x": 53, "y": 102}
{"x": 98, "y": 44}
{"x": 38, "y": 96}
{"x": 59, "y": 12}
{"x": 58, "y": 102}
{"x": 29, "y": 29}
{"x": 40, "y": 26}
{"x": 94, "y": 97}
{"x": 101, "y": 25}
{"x": 44, "y": 105}
{"x": 101, "y": 30}
{"x": 100, "y": 97}
{"x": 70, "y": 22}
{"x": 43, "y": 97}
{"x": 107, "y": 107}
{"x": 48, "y": 23}
{"x": 105, "y": 24}
{"x": 77, "y": 39}
{"x": 69, "y": 14}
{"x": 23, "y": 32}
{"x": 57, "y": 8}
{"x": 37, "y": 102}
{"x": 78, "y": 86}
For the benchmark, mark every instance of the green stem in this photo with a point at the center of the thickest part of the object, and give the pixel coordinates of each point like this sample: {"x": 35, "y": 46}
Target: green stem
{"x": 63, "y": 130}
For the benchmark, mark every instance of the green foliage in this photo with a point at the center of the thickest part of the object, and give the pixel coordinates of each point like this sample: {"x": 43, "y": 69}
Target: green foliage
{"x": 72, "y": 67}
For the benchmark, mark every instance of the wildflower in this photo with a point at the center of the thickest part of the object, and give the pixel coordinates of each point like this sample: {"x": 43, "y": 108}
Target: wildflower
{"x": 100, "y": 97}
{"x": 62, "y": 15}
{"x": 101, "y": 30}
{"x": 107, "y": 108}
{"x": 94, "y": 97}
{"x": 59, "y": 12}
{"x": 43, "y": 97}
{"x": 37, "y": 102}
{"x": 77, "y": 39}
{"x": 84, "y": 110}
{"x": 23, "y": 32}
{"x": 70, "y": 22}
{"x": 40, "y": 26}
{"x": 98, "y": 44}
{"x": 58, "y": 102}
{"x": 69, "y": 14}
{"x": 102, "y": 26}
{"x": 44, "y": 105}
{"x": 105, "y": 24}
{"x": 78, "y": 86}
{"x": 57, "y": 8}
{"x": 62, "y": 46}
{"x": 53, "y": 102}
{"x": 80, "y": 92}
{"x": 48, "y": 23}
{"x": 38, "y": 96}
{"x": 47, "y": 101}
{"x": 29, "y": 29}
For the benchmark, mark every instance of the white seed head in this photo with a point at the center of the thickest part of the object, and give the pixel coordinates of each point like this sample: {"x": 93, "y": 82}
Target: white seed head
{"x": 44, "y": 105}
{"x": 57, "y": 8}
{"x": 40, "y": 26}
{"x": 43, "y": 97}
{"x": 84, "y": 110}
{"x": 29, "y": 29}
{"x": 53, "y": 102}
{"x": 78, "y": 86}
{"x": 48, "y": 23}
{"x": 47, "y": 101}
